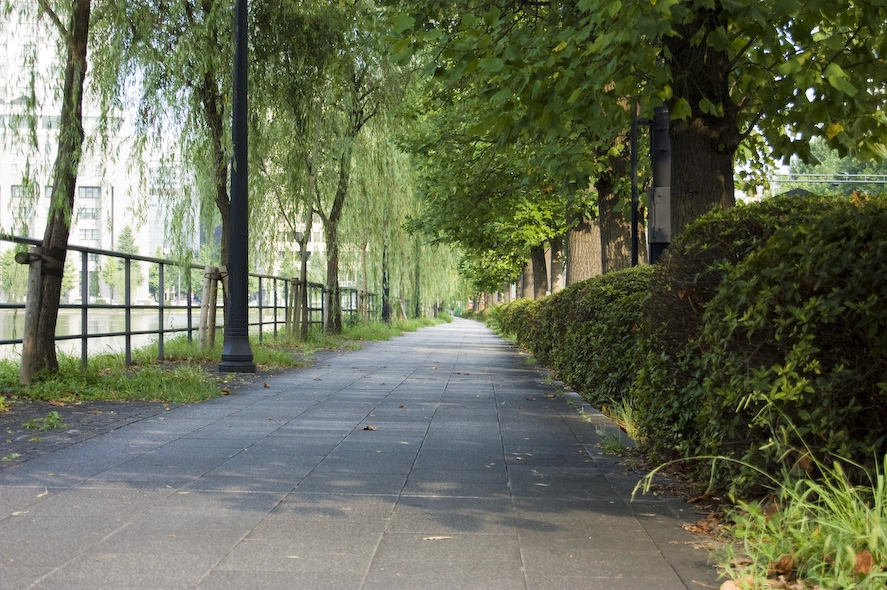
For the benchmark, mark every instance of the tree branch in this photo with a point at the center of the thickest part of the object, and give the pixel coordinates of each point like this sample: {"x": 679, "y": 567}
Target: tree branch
{"x": 45, "y": 7}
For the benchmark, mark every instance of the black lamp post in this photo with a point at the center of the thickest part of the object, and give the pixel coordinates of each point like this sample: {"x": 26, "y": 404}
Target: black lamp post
{"x": 237, "y": 356}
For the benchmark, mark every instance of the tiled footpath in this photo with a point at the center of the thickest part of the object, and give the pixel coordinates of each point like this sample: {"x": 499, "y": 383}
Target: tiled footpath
{"x": 439, "y": 459}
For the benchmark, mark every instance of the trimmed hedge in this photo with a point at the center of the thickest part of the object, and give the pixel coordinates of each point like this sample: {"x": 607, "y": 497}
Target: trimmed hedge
{"x": 762, "y": 336}
{"x": 586, "y": 333}
{"x": 795, "y": 343}
{"x": 669, "y": 391}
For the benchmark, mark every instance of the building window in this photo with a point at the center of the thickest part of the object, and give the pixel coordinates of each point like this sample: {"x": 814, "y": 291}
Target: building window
{"x": 17, "y": 191}
{"x": 89, "y": 235}
{"x": 89, "y": 213}
{"x": 51, "y": 122}
{"x": 90, "y": 192}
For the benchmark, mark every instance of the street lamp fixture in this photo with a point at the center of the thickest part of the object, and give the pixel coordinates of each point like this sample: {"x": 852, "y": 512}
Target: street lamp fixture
{"x": 237, "y": 356}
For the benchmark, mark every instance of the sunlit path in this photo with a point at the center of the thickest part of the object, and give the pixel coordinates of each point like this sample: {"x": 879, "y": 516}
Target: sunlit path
{"x": 440, "y": 459}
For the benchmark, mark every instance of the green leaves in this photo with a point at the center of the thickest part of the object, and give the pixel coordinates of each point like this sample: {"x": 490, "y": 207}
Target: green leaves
{"x": 402, "y": 22}
{"x": 839, "y": 79}
{"x": 681, "y": 110}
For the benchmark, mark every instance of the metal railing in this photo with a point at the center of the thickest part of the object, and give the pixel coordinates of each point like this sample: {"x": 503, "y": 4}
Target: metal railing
{"x": 174, "y": 316}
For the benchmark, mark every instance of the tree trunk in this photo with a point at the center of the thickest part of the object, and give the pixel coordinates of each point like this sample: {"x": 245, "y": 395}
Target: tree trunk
{"x": 386, "y": 284}
{"x": 693, "y": 193}
{"x": 526, "y": 282}
{"x": 55, "y": 237}
{"x": 702, "y": 146}
{"x": 364, "y": 309}
{"x": 584, "y": 251}
{"x": 557, "y": 264}
{"x": 540, "y": 272}
{"x": 331, "y": 226}
{"x": 417, "y": 278}
{"x": 506, "y": 292}
{"x": 615, "y": 225}
{"x": 213, "y": 110}
{"x": 334, "y": 307}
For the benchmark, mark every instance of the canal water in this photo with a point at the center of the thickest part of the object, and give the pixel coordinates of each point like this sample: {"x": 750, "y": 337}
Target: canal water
{"x": 99, "y": 321}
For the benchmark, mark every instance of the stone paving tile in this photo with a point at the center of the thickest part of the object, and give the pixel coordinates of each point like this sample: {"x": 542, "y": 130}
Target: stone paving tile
{"x": 435, "y": 460}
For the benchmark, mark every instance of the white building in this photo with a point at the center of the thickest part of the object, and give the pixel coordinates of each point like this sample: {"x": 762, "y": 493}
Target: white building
{"x": 112, "y": 192}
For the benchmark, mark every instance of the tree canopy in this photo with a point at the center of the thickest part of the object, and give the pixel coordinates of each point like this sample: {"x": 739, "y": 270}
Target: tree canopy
{"x": 744, "y": 81}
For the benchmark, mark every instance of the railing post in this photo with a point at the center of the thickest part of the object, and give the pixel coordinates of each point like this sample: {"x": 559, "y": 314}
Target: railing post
{"x": 190, "y": 320}
{"x": 261, "y": 327}
{"x": 32, "y": 311}
{"x": 84, "y": 306}
{"x": 161, "y": 288}
{"x": 274, "y": 323}
{"x": 127, "y": 311}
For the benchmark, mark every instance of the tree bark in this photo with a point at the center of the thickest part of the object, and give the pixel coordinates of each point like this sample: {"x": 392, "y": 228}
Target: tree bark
{"x": 55, "y": 236}
{"x": 526, "y": 282}
{"x": 615, "y": 226}
{"x": 331, "y": 227}
{"x": 364, "y": 308}
{"x": 210, "y": 97}
{"x": 702, "y": 146}
{"x": 540, "y": 272}
{"x": 584, "y": 251}
{"x": 417, "y": 278}
{"x": 557, "y": 264}
{"x": 386, "y": 284}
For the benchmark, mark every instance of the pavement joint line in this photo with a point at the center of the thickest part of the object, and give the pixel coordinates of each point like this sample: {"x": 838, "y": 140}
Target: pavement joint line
{"x": 476, "y": 372}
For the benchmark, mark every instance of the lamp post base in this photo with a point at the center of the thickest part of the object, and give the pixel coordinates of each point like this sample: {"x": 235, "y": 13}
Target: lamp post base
{"x": 237, "y": 357}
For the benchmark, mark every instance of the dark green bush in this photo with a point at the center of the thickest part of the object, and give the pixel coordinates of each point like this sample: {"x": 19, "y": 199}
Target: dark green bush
{"x": 669, "y": 385}
{"x": 795, "y": 342}
{"x": 598, "y": 320}
{"x": 517, "y": 319}
{"x": 585, "y": 333}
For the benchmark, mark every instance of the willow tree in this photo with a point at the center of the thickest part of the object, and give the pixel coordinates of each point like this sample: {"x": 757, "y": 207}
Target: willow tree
{"x": 345, "y": 91}
{"x": 68, "y": 22}
{"x": 294, "y": 44}
{"x": 174, "y": 59}
{"x": 385, "y": 257}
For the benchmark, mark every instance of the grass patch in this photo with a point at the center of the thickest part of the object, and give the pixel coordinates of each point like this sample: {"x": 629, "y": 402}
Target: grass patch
{"x": 182, "y": 377}
{"x": 108, "y": 381}
{"x": 819, "y": 530}
{"x": 623, "y": 413}
{"x": 52, "y": 421}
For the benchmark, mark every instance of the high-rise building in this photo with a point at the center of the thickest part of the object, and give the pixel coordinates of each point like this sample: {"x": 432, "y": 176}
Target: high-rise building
{"x": 112, "y": 191}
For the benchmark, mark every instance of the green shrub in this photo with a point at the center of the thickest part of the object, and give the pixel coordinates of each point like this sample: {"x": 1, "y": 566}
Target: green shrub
{"x": 589, "y": 331}
{"x": 586, "y": 333}
{"x": 795, "y": 343}
{"x": 517, "y": 320}
{"x": 669, "y": 385}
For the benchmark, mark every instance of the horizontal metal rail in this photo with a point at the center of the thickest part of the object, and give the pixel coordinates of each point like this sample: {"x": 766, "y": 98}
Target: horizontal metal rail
{"x": 271, "y": 314}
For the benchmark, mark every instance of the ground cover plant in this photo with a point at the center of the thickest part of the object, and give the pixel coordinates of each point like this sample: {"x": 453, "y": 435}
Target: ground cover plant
{"x": 816, "y": 530}
{"x": 188, "y": 374}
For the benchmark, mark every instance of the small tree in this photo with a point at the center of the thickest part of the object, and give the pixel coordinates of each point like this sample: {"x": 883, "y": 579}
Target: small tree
{"x": 13, "y": 277}
{"x": 114, "y": 270}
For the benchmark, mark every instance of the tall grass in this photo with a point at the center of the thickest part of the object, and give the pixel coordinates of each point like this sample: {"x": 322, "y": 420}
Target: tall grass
{"x": 821, "y": 529}
{"x": 106, "y": 378}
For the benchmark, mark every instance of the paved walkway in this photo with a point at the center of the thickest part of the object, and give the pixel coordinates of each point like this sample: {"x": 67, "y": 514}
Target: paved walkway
{"x": 436, "y": 460}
